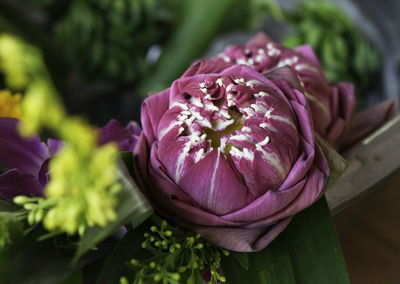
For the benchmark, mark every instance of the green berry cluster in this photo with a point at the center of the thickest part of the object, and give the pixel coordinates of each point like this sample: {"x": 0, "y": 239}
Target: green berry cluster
{"x": 178, "y": 257}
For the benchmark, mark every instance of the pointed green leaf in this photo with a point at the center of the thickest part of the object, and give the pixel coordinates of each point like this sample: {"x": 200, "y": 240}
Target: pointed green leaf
{"x": 315, "y": 248}
{"x": 242, "y": 258}
{"x": 197, "y": 28}
{"x": 269, "y": 266}
{"x": 129, "y": 247}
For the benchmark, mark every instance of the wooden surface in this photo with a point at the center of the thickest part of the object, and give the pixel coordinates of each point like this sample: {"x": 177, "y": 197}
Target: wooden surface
{"x": 370, "y": 235}
{"x": 372, "y": 160}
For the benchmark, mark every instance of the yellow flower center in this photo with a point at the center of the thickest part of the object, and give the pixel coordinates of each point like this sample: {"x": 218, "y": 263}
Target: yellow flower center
{"x": 9, "y": 104}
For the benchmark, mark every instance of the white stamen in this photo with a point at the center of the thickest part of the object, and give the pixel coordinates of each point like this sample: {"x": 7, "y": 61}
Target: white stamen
{"x": 220, "y": 82}
{"x": 229, "y": 87}
{"x": 259, "y": 108}
{"x": 197, "y": 115}
{"x": 197, "y": 102}
{"x": 211, "y": 107}
{"x": 240, "y": 137}
{"x": 222, "y": 144}
{"x": 268, "y": 126}
{"x": 205, "y": 123}
{"x": 248, "y": 155}
{"x": 179, "y": 104}
{"x": 251, "y": 83}
{"x": 264, "y": 142}
{"x": 190, "y": 120}
{"x": 222, "y": 124}
{"x": 300, "y": 67}
{"x": 225, "y": 114}
{"x": 260, "y": 94}
{"x": 186, "y": 112}
{"x": 249, "y": 111}
{"x": 199, "y": 155}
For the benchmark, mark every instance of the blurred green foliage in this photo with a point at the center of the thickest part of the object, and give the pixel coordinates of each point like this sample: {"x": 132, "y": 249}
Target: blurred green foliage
{"x": 98, "y": 51}
{"x": 344, "y": 51}
{"x": 109, "y": 39}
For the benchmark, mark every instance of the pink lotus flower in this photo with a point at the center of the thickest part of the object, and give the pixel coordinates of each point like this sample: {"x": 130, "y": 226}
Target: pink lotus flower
{"x": 230, "y": 154}
{"x": 332, "y": 105}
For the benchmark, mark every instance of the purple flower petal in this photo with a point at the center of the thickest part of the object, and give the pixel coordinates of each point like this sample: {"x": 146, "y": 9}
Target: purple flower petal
{"x": 242, "y": 239}
{"x": 214, "y": 186}
{"x": 231, "y": 153}
{"x": 153, "y": 109}
{"x": 54, "y": 145}
{"x": 14, "y": 183}
{"x": 24, "y": 154}
{"x": 213, "y": 65}
{"x": 126, "y": 137}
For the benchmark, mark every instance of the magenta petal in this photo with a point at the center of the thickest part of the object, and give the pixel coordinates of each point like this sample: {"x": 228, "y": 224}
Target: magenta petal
{"x": 285, "y": 73}
{"x": 14, "y": 183}
{"x": 153, "y": 109}
{"x": 369, "y": 120}
{"x": 342, "y": 105}
{"x": 242, "y": 239}
{"x": 207, "y": 66}
{"x": 112, "y": 131}
{"x": 308, "y": 52}
{"x": 24, "y": 154}
{"x": 259, "y": 39}
{"x": 214, "y": 186}
{"x": 126, "y": 137}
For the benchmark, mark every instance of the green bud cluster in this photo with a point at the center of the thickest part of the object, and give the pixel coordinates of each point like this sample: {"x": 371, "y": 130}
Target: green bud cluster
{"x": 83, "y": 187}
{"x": 179, "y": 257}
{"x": 82, "y": 191}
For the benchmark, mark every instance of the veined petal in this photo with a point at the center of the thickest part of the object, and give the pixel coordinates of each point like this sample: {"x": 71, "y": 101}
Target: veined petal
{"x": 214, "y": 186}
{"x": 342, "y": 104}
{"x": 153, "y": 109}
{"x": 242, "y": 239}
{"x": 213, "y": 65}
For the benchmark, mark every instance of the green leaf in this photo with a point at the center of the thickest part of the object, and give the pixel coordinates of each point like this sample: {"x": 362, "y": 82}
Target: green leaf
{"x": 198, "y": 27}
{"x": 76, "y": 278}
{"x": 315, "y": 248}
{"x": 47, "y": 262}
{"x": 270, "y": 266}
{"x": 6, "y": 206}
{"x": 133, "y": 206}
{"x": 129, "y": 247}
{"x": 242, "y": 258}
